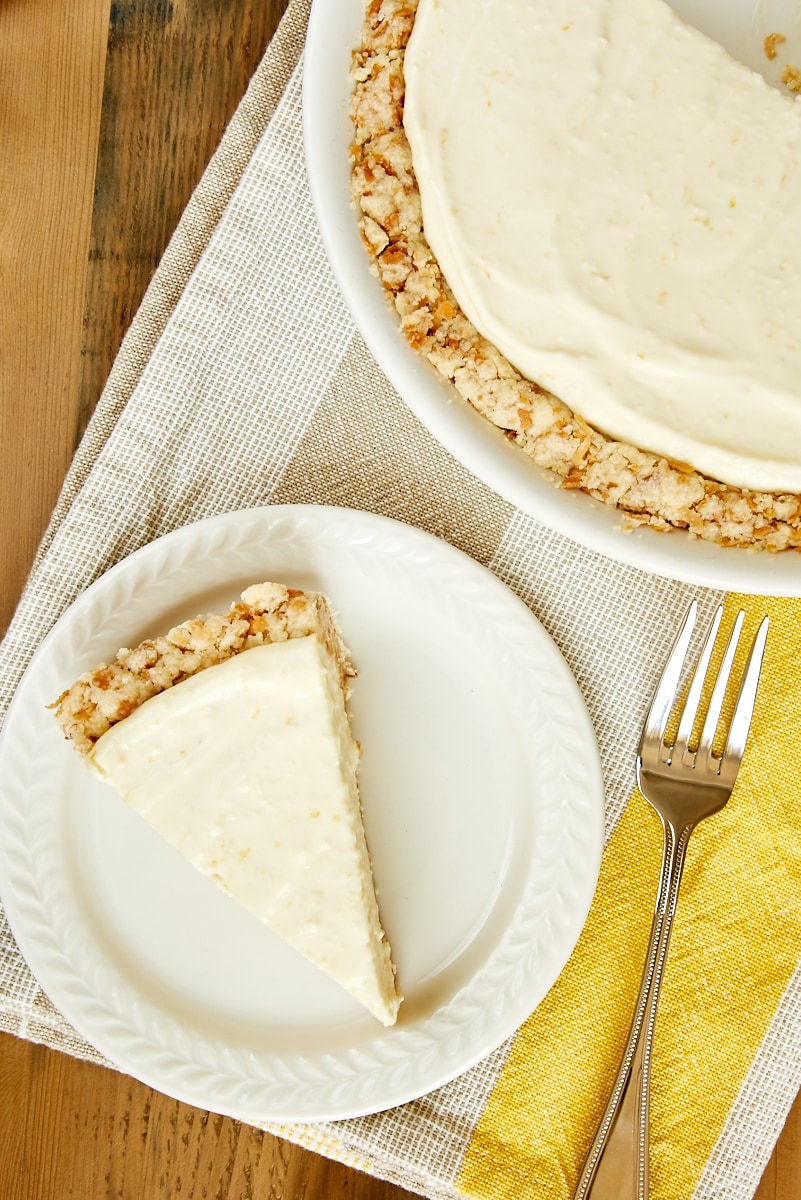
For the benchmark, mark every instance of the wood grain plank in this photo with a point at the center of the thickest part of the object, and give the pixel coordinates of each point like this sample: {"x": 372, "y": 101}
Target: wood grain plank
{"x": 175, "y": 72}
{"x": 786, "y": 1160}
{"x": 69, "y": 1129}
{"x": 51, "y": 83}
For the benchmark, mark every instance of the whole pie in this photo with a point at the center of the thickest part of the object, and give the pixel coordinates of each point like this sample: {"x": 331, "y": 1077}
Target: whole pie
{"x": 648, "y": 487}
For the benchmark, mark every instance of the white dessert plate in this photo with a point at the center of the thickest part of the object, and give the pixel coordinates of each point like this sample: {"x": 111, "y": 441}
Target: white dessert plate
{"x": 482, "y": 801}
{"x": 334, "y": 30}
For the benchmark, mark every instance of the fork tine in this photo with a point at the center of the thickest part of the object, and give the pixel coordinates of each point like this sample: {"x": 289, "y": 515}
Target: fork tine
{"x": 719, "y": 692}
{"x": 665, "y": 694}
{"x": 682, "y": 743}
{"x": 744, "y": 708}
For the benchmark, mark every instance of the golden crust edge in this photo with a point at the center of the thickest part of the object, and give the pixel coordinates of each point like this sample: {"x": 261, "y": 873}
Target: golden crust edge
{"x": 265, "y": 613}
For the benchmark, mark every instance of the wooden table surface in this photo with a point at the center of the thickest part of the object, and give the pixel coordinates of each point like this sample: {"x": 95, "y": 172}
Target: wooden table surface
{"x": 109, "y": 111}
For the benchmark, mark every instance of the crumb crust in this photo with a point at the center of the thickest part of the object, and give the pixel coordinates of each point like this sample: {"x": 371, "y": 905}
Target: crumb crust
{"x": 266, "y": 612}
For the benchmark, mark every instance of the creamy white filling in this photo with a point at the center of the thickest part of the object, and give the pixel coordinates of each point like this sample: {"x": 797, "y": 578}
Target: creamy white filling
{"x": 616, "y": 204}
{"x": 249, "y": 769}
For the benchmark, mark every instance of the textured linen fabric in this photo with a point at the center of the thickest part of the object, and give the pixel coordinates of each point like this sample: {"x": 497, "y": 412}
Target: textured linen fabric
{"x": 242, "y": 381}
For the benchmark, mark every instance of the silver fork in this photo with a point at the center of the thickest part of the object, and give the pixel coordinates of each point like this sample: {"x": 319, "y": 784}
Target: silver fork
{"x": 684, "y": 786}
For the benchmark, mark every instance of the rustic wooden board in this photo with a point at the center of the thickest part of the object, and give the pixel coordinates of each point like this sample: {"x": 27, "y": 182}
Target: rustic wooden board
{"x": 73, "y": 1131}
{"x": 52, "y": 60}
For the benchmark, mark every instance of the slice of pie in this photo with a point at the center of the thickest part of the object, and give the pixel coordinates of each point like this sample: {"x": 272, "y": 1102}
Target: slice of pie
{"x": 231, "y": 737}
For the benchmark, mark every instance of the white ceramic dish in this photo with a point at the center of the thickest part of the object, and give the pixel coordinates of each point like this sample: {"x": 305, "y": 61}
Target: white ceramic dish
{"x": 483, "y": 805}
{"x": 334, "y": 30}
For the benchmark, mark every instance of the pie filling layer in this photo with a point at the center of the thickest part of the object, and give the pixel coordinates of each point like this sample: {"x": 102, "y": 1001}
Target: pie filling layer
{"x": 248, "y": 768}
{"x": 616, "y": 204}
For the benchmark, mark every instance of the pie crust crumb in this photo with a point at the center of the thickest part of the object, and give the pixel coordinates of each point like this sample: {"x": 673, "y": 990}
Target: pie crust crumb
{"x": 267, "y": 612}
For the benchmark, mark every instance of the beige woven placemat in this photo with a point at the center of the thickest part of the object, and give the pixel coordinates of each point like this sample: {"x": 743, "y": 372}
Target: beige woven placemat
{"x": 242, "y": 382}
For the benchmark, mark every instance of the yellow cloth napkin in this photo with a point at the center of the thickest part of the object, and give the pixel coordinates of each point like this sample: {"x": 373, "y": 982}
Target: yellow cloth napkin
{"x": 735, "y": 946}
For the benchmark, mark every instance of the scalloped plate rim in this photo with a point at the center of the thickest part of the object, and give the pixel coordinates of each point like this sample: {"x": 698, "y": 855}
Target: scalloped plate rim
{"x": 205, "y": 1093}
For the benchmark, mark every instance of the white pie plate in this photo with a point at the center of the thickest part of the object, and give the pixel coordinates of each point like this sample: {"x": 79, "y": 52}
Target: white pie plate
{"x": 482, "y": 801}
{"x": 334, "y": 30}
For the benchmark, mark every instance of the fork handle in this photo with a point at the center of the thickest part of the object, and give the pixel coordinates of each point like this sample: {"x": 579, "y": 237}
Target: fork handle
{"x": 616, "y": 1167}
